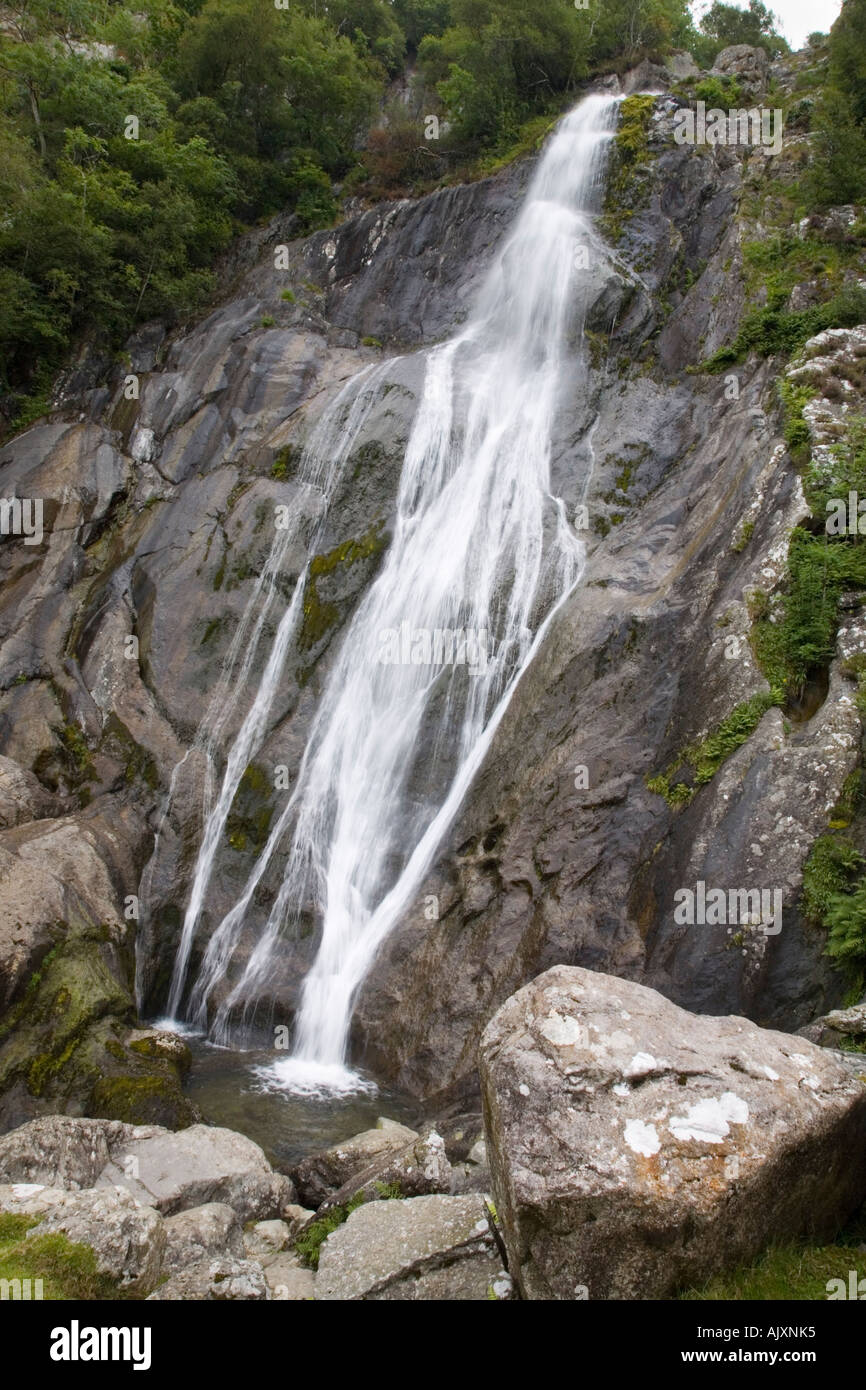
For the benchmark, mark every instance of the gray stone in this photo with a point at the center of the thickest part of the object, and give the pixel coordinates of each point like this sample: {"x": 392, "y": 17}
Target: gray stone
{"x": 288, "y": 1280}
{"x": 126, "y": 1237}
{"x": 199, "y": 1165}
{"x": 636, "y": 1149}
{"x": 266, "y": 1238}
{"x": 201, "y": 1233}
{"x": 320, "y": 1175}
{"x": 172, "y": 1172}
{"x": 433, "y": 1247}
{"x": 419, "y": 1168}
{"x": 219, "y": 1280}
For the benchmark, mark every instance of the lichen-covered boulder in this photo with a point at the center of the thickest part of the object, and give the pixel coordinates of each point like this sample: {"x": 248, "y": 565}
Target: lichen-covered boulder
{"x": 636, "y": 1148}
{"x": 127, "y": 1237}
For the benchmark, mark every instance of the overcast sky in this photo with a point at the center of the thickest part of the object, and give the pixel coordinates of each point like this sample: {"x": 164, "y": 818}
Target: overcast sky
{"x": 797, "y": 18}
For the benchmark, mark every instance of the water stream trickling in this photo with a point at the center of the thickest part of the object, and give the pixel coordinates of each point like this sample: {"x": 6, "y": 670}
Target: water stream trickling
{"x": 481, "y": 547}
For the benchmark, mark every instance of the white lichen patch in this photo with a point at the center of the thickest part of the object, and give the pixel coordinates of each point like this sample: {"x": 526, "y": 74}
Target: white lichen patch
{"x": 642, "y": 1138}
{"x": 562, "y": 1031}
{"x": 641, "y": 1064}
{"x": 709, "y": 1120}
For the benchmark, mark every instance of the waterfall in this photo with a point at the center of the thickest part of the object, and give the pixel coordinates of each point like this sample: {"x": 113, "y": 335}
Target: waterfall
{"x": 482, "y": 554}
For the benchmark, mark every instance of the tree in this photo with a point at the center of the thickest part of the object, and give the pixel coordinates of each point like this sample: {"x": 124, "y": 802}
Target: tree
{"x": 728, "y": 24}
{"x": 848, "y": 55}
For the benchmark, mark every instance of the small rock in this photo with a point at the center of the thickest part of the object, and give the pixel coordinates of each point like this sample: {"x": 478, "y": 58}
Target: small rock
{"x": 289, "y": 1280}
{"x": 217, "y": 1280}
{"x": 266, "y": 1238}
{"x": 201, "y": 1233}
{"x": 478, "y": 1152}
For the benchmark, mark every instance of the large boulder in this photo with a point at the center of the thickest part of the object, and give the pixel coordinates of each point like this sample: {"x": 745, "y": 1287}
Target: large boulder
{"x": 418, "y": 1169}
{"x": 636, "y": 1148}
{"x": 201, "y": 1233}
{"x": 127, "y": 1237}
{"x": 171, "y": 1172}
{"x": 198, "y": 1165}
{"x": 747, "y": 64}
{"x": 428, "y": 1248}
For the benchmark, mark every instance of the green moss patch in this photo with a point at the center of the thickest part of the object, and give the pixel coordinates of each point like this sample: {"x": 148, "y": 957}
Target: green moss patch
{"x": 67, "y": 1270}
{"x": 703, "y": 759}
{"x": 796, "y": 1272}
{"x": 249, "y": 820}
{"x": 309, "y": 1243}
{"x": 625, "y": 191}
{"x": 320, "y": 615}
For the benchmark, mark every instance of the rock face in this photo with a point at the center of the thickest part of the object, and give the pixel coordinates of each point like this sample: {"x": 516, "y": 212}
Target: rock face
{"x": 159, "y": 515}
{"x": 636, "y": 1149}
{"x": 423, "y": 1248}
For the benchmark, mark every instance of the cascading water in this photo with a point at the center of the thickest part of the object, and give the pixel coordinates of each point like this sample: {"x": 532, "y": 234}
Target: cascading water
{"x": 481, "y": 556}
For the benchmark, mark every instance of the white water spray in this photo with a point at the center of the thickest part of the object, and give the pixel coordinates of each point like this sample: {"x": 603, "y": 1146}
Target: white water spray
{"x": 481, "y": 548}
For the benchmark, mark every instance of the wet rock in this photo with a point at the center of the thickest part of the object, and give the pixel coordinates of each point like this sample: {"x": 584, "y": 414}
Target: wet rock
{"x": 126, "y": 1237}
{"x": 636, "y": 1149}
{"x": 432, "y": 1247}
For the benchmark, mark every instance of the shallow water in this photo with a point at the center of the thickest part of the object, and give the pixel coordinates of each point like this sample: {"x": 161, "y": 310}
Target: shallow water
{"x": 230, "y": 1090}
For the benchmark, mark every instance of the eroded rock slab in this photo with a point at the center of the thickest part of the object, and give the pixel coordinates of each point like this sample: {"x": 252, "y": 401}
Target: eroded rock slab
{"x": 434, "y": 1247}
{"x": 636, "y": 1148}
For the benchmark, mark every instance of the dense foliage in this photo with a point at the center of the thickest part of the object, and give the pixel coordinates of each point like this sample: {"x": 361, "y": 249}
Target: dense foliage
{"x": 135, "y": 141}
